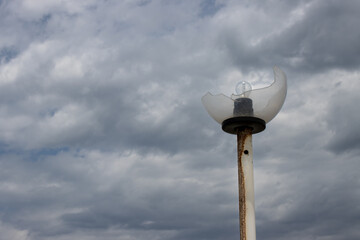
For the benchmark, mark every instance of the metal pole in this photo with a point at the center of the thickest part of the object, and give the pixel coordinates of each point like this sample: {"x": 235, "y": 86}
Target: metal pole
{"x": 246, "y": 185}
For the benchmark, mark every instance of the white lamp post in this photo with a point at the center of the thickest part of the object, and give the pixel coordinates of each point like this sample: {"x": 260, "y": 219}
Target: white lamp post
{"x": 244, "y": 114}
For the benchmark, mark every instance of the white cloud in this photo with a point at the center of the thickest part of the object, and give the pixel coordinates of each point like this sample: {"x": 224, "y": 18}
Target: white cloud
{"x": 9, "y": 232}
{"x": 68, "y": 67}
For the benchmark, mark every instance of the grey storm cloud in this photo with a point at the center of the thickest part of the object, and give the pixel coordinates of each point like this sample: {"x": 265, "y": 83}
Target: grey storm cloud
{"x": 103, "y": 135}
{"x": 325, "y": 36}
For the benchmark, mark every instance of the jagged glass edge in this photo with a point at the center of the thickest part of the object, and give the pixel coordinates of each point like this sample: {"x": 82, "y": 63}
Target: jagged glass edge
{"x": 276, "y": 70}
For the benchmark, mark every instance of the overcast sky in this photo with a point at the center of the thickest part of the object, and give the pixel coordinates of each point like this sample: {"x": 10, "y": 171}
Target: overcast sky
{"x": 103, "y": 135}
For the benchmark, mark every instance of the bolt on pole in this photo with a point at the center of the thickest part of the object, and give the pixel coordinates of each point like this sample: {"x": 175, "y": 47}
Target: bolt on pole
{"x": 246, "y": 185}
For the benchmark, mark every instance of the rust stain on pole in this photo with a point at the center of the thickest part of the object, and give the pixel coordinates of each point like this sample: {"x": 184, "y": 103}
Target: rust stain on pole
{"x": 241, "y": 136}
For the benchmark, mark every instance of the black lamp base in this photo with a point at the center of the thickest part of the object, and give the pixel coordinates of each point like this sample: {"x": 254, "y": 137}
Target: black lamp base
{"x": 232, "y": 125}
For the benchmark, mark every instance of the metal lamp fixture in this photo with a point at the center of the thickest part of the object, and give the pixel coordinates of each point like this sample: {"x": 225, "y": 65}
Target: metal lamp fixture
{"x": 246, "y": 113}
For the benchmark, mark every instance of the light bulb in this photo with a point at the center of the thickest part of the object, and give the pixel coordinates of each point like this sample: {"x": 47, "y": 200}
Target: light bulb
{"x": 242, "y": 87}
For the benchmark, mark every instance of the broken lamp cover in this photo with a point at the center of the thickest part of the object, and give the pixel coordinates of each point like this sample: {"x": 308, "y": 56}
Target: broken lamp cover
{"x": 248, "y": 108}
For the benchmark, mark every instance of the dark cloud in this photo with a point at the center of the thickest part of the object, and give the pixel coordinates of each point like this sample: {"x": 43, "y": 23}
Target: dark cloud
{"x": 317, "y": 36}
{"x": 344, "y": 121}
{"x": 209, "y": 7}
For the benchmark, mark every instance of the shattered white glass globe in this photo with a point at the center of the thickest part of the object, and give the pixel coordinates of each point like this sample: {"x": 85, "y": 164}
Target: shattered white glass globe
{"x": 265, "y": 102}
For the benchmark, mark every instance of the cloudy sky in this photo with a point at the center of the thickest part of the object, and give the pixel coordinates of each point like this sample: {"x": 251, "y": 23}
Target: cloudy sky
{"x": 103, "y": 135}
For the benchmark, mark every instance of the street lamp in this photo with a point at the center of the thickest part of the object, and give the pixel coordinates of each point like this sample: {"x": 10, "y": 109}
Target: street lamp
{"x": 246, "y": 113}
